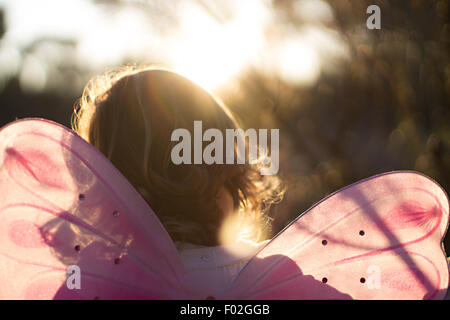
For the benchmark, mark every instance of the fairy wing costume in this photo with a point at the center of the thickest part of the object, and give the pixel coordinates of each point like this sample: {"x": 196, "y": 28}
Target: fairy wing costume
{"x": 63, "y": 204}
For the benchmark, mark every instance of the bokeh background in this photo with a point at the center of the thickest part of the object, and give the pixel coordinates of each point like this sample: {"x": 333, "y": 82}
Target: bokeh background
{"x": 350, "y": 102}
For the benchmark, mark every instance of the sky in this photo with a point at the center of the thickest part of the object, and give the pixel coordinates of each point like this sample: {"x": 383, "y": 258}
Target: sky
{"x": 207, "y": 41}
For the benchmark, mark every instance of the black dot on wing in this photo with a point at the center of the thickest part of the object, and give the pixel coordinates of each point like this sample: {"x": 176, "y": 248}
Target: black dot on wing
{"x": 81, "y": 196}
{"x": 362, "y": 280}
{"x": 324, "y": 280}
{"x": 361, "y": 233}
{"x": 324, "y": 242}
{"x": 77, "y": 247}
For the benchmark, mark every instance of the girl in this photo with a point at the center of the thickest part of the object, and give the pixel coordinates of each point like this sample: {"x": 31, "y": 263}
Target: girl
{"x": 208, "y": 210}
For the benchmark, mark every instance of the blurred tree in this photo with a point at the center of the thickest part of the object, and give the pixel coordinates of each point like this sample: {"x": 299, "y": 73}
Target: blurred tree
{"x": 386, "y": 110}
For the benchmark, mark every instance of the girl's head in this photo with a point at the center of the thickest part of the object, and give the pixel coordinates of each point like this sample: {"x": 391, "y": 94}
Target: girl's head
{"x": 130, "y": 114}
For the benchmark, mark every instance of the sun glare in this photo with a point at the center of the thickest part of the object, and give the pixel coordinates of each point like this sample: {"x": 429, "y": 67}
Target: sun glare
{"x": 209, "y": 51}
{"x": 238, "y": 233}
{"x": 210, "y": 42}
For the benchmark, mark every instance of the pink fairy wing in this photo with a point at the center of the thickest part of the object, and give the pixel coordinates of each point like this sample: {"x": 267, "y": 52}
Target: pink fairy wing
{"x": 63, "y": 203}
{"x": 380, "y": 238}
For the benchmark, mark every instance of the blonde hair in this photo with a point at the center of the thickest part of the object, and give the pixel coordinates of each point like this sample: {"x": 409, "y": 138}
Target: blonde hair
{"x": 129, "y": 114}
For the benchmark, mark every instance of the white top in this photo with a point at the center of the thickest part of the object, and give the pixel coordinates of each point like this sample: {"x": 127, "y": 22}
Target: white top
{"x": 214, "y": 268}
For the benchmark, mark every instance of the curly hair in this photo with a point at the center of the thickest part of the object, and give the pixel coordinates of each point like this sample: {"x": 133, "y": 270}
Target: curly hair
{"x": 129, "y": 114}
